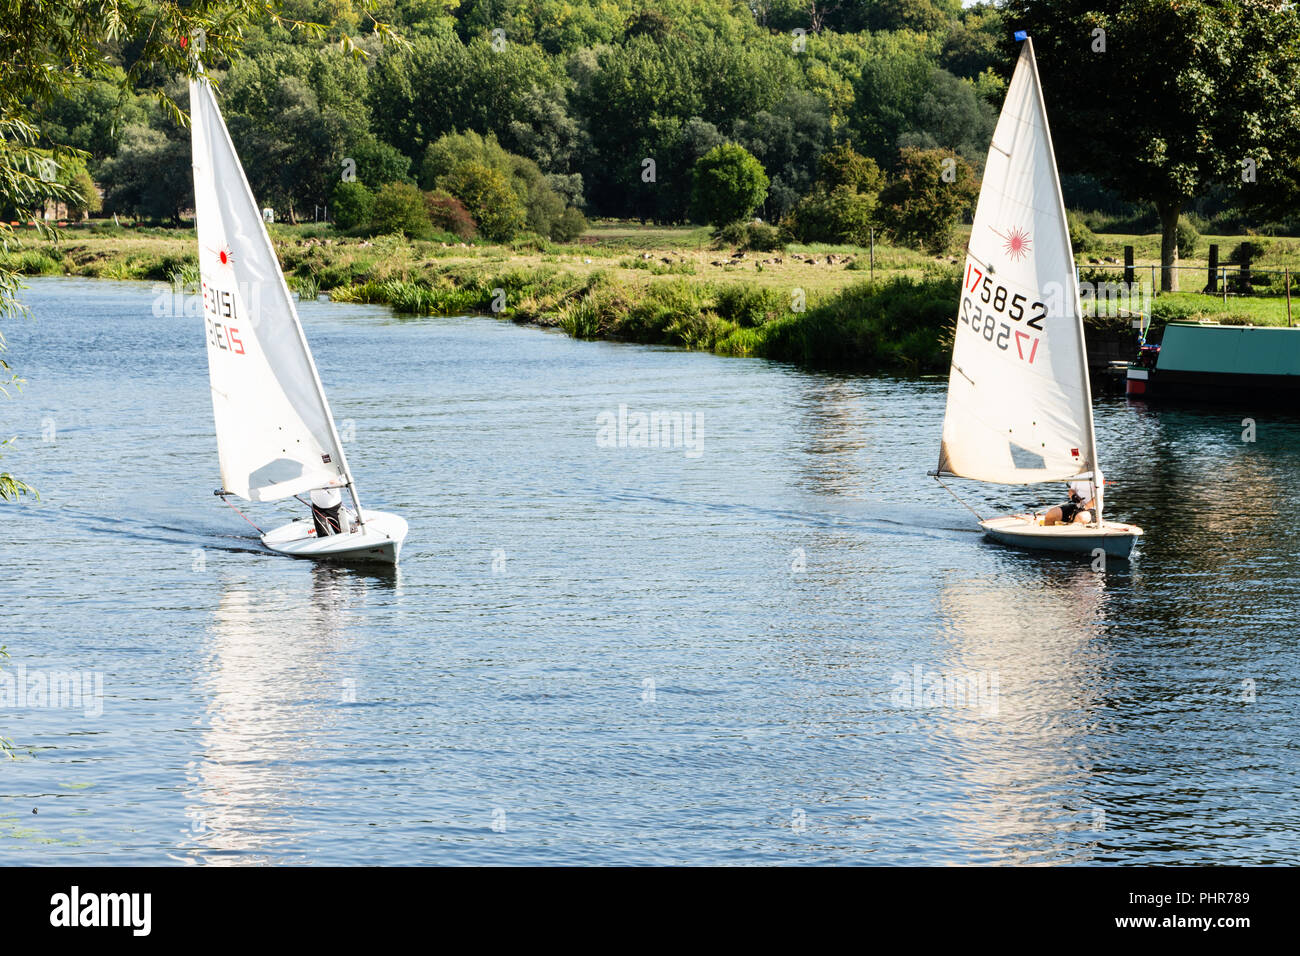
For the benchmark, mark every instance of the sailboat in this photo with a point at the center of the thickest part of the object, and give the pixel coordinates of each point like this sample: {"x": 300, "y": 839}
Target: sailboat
{"x": 1019, "y": 405}
{"x": 275, "y": 433}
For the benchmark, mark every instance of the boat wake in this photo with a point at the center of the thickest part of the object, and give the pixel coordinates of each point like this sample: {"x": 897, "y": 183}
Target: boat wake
{"x": 133, "y": 528}
{"x": 877, "y": 516}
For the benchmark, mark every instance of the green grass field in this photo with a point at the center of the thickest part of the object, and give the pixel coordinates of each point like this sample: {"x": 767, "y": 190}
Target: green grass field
{"x": 1255, "y": 310}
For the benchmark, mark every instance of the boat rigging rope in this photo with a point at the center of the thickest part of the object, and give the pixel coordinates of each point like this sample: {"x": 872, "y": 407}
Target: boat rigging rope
{"x": 959, "y": 501}
{"x": 240, "y": 513}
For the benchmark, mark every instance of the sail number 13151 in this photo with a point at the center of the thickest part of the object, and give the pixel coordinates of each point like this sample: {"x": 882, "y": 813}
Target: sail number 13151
{"x": 984, "y": 316}
{"x": 219, "y": 309}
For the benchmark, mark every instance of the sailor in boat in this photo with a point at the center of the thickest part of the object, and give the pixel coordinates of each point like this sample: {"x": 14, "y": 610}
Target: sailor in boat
{"x": 326, "y": 508}
{"x": 1083, "y": 497}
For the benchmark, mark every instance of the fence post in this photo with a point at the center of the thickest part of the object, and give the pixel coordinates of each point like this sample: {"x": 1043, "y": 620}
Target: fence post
{"x": 1288, "y": 297}
{"x": 1128, "y": 266}
{"x": 1213, "y": 283}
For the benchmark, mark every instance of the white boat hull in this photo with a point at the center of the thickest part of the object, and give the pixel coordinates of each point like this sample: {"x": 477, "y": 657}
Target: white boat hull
{"x": 1023, "y": 531}
{"x": 380, "y": 542}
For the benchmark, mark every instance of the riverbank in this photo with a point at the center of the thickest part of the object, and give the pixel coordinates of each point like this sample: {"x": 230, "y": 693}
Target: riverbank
{"x": 814, "y": 305}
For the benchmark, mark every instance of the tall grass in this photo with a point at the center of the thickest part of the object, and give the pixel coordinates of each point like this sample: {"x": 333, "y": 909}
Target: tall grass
{"x": 31, "y": 262}
{"x": 656, "y": 268}
{"x": 413, "y": 298}
{"x": 901, "y": 324}
{"x": 186, "y": 277}
{"x": 307, "y": 287}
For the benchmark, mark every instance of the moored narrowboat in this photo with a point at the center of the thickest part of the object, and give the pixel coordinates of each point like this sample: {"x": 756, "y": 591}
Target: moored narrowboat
{"x": 1210, "y": 362}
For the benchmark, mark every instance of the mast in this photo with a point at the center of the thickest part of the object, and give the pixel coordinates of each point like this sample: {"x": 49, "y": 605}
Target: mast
{"x": 320, "y": 389}
{"x": 1073, "y": 277}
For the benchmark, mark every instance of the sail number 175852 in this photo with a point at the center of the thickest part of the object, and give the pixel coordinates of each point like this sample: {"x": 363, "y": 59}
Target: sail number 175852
{"x": 984, "y": 316}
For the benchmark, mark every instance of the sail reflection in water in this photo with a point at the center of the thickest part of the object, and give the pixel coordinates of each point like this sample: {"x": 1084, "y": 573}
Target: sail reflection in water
{"x": 1021, "y": 767}
{"x": 276, "y": 675}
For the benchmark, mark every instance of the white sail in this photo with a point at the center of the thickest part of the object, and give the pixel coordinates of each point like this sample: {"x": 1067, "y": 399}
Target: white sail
{"x": 275, "y": 434}
{"x": 1019, "y": 409}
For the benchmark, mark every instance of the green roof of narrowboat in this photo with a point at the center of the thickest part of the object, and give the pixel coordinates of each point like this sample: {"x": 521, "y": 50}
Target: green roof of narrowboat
{"x": 1230, "y": 349}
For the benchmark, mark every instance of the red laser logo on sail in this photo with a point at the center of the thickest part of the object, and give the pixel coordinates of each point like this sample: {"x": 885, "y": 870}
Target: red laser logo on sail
{"x": 1015, "y": 243}
{"x": 223, "y": 254}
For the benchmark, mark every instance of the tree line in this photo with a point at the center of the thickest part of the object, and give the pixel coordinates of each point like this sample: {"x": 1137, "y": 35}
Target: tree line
{"x": 603, "y": 109}
{"x": 609, "y": 109}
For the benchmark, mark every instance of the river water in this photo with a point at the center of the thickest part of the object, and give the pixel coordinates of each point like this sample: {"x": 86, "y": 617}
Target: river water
{"x": 777, "y": 643}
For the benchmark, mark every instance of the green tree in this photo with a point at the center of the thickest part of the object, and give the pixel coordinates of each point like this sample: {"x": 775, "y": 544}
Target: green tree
{"x": 571, "y": 225}
{"x": 376, "y": 161}
{"x": 91, "y": 116}
{"x": 543, "y": 205}
{"x": 839, "y": 215}
{"x": 67, "y": 169}
{"x": 894, "y": 77}
{"x": 842, "y": 165}
{"x": 399, "y": 207}
{"x": 568, "y": 187}
{"x": 450, "y": 150}
{"x": 87, "y": 199}
{"x": 352, "y": 205}
{"x": 150, "y": 175}
{"x": 292, "y": 148}
{"x": 1082, "y": 238}
{"x": 439, "y": 85}
{"x": 1187, "y": 236}
{"x": 1183, "y": 95}
{"x": 637, "y": 99}
{"x": 841, "y": 208}
{"x": 952, "y": 114}
{"x": 557, "y": 26}
{"x": 927, "y": 195}
{"x": 787, "y": 140}
{"x": 728, "y": 184}
{"x": 923, "y": 16}
{"x": 972, "y": 46}
{"x": 649, "y": 23}
{"x": 488, "y": 196}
